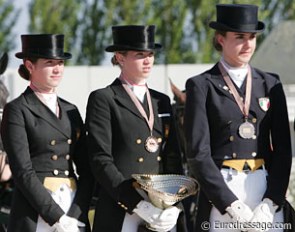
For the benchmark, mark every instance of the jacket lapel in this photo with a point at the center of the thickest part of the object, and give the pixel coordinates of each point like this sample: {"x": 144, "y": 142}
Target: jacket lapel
{"x": 218, "y": 82}
{"x": 39, "y": 109}
{"x": 64, "y": 121}
{"x": 257, "y": 85}
{"x": 123, "y": 98}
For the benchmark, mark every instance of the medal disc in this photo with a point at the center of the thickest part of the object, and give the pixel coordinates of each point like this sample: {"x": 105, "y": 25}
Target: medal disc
{"x": 151, "y": 144}
{"x": 247, "y": 130}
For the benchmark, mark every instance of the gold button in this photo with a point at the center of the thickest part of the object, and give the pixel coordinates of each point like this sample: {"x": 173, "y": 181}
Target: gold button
{"x": 234, "y": 155}
{"x": 69, "y": 141}
{"x": 68, "y": 157}
{"x": 231, "y": 138}
{"x": 55, "y": 172}
{"x": 159, "y": 158}
{"x": 54, "y": 157}
{"x": 254, "y": 154}
{"x": 254, "y": 120}
{"x": 67, "y": 172}
{"x": 138, "y": 141}
{"x": 53, "y": 142}
{"x": 159, "y": 140}
{"x": 140, "y": 160}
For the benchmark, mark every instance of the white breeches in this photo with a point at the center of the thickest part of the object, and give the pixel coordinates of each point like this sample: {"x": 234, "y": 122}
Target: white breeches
{"x": 64, "y": 197}
{"x": 250, "y": 189}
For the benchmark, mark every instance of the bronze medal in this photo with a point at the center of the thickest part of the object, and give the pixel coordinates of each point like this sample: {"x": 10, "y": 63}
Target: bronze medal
{"x": 247, "y": 130}
{"x": 151, "y": 144}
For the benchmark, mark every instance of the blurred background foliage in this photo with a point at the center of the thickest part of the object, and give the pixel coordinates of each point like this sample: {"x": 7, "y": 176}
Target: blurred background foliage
{"x": 182, "y": 26}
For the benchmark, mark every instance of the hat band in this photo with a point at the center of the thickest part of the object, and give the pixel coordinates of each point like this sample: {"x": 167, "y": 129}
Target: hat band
{"x": 243, "y": 26}
{"x": 45, "y": 52}
{"x": 140, "y": 45}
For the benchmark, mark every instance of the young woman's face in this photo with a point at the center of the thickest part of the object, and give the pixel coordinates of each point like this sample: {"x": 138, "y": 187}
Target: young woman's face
{"x": 237, "y": 47}
{"x": 136, "y": 65}
{"x": 46, "y": 74}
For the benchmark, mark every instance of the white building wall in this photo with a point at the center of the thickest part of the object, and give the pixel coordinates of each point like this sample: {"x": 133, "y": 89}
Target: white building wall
{"x": 79, "y": 81}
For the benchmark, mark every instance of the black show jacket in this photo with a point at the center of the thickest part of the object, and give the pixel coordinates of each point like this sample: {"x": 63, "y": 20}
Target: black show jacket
{"x": 212, "y": 119}
{"x": 41, "y": 145}
{"x": 116, "y": 136}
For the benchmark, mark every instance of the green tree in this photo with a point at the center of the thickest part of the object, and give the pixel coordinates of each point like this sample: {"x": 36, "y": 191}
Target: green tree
{"x": 93, "y": 34}
{"x": 8, "y": 18}
{"x": 99, "y": 17}
{"x": 56, "y": 16}
{"x": 170, "y": 18}
{"x": 182, "y": 26}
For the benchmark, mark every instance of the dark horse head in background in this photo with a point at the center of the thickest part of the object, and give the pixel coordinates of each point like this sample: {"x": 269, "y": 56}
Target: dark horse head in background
{"x": 3, "y": 90}
{"x": 190, "y": 204}
{"x": 178, "y": 113}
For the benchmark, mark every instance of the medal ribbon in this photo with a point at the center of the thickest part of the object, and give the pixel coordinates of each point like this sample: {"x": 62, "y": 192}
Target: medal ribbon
{"x": 151, "y": 119}
{"x": 244, "y": 106}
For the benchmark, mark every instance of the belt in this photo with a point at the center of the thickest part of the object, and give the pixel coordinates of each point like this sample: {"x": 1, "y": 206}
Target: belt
{"x": 54, "y": 183}
{"x": 244, "y": 164}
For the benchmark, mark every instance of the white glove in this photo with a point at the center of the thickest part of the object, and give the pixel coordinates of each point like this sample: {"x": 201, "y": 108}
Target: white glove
{"x": 168, "y": 218}
{"x": 264, "y": 214}
{"x": 68, "y": 224}
{"x": 239, "y": 212}
{"x": 161, "y": 220}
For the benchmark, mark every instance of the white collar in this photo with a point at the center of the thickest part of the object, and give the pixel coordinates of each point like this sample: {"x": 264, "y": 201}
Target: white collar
{"x": 238, "y": 75}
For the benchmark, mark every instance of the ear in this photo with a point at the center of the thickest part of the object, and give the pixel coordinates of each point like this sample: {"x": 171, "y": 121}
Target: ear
{"x": 29, "y": 65}
{"x": 119, "y": 57}
{"x": 219, "y": 39}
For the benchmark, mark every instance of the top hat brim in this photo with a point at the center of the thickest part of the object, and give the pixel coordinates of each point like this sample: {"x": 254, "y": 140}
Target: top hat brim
{"x": 223, "y": 27}
{"x": 114, "y": 48}
{"x": 65, "y": 56}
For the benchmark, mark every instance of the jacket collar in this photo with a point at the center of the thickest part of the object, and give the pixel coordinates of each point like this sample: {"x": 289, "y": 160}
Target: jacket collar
{"x": 217, "y": 80}
{"x": 35, "y": 105}
{"x": 257, "y": 84}
{"x": 123, "y": 98}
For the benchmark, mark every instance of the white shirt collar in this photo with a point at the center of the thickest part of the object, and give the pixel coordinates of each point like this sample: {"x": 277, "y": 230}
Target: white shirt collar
{"x": 237, "y": 75}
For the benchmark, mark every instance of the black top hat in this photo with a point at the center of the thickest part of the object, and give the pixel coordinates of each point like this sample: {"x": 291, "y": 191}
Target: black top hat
{"x": 133, "y": 37}
{"x": 237, "y": 18}
{"x": 48, "y": 46}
